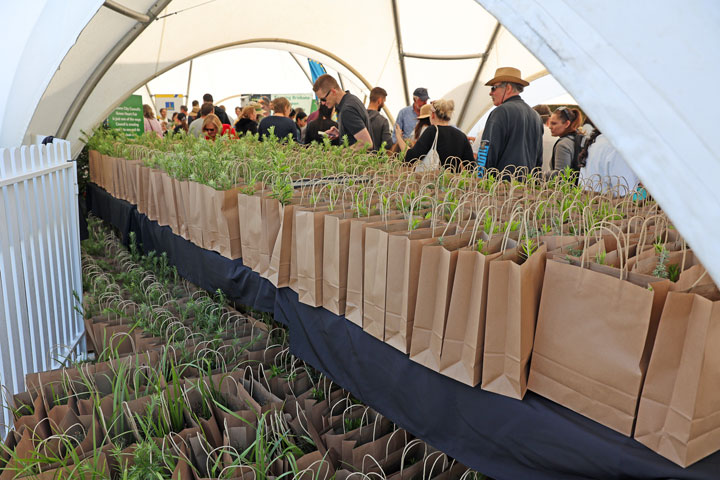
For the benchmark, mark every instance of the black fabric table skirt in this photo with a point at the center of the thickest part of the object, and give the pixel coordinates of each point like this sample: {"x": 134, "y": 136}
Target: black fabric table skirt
{"x": 501, "y": 437}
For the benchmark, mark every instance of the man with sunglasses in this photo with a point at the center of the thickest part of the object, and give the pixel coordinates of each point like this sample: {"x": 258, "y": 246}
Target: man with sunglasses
{"x": 513, "y": 133}
{"x": 353, "y": 119}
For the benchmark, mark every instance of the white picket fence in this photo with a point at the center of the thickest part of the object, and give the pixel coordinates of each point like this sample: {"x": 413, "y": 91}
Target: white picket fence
{"x": 40, "y": 267}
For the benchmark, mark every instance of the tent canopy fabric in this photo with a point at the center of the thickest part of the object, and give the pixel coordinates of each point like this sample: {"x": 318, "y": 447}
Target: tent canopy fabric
{"x": 637, "y": 70}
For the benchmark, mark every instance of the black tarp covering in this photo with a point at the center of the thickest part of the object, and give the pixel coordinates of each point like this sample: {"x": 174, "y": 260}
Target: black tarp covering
{"x": 501, "y": 437}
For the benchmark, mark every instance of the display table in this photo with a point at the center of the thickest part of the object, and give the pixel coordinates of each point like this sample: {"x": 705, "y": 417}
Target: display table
{"x": 501, "y": 437}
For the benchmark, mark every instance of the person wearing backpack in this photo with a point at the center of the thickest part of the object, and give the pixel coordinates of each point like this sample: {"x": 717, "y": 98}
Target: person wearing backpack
{"x": 564, "y": 123}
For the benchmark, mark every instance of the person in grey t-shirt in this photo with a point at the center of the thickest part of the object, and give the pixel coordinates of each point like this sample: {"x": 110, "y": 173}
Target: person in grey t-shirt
{"x": 379, "y": 125}
{"x": 196, "y": 126}
{"x": 353, "y": 119}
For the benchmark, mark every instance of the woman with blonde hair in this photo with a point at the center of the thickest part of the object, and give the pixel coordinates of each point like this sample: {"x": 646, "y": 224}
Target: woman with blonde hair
{"x": 451, "y": 144}
{"x": 212, "y": 127}
{"x": 247, "y": 123}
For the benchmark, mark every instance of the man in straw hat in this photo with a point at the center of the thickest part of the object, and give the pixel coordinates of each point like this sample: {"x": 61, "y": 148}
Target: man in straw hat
{"x": 513, "y": 133}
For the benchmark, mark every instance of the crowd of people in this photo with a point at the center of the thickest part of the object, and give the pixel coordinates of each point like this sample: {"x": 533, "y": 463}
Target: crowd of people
{"x": 516, "y": 139}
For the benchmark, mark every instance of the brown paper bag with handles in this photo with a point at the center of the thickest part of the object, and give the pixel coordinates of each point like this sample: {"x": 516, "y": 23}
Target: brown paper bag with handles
{"x": 594, "y": 334}
{"x": 169, "y": 206}
{"x": 271, "y": 218}
{"x": 437, "y": 273}
{"x": 124, "y": 170}
{"x": 210, "y": 213}
{"x": 128, "y": 179}
{"x": 254, "y": 209}
{"x": 143, "y": 180}
{"x": 356, "y": 264}
{"x": 108, "y": 163}
{"x": 514, "y": 288}
{"x": 154, "y": 195}
{"x": 118, "y": 179}
{"x": 100, "y": 169}
{"x": 130, "y": 170}
{"x": 679, "y": 411}
{"x": 465, "y": 330}
{"x": 310, "y": 224}
{"x": 207, "y": 215}
{"x": 336, "y": 247}
{"x": 228, "y": 240}
{"x": 133, "y": 173}
{"x": 94, "y": 166}
{"x": 163, "y": 197}
{"x": 646, "y": 261}
{"x": 180, "y": 187}
{"x": 121, "y": 172}
{"x": 195, "y": 214}
{"x": 375, "y": 277}
{"x": 281, "y": 259}
{"x": 299, "y": 204}
{"x": 336, "y": 253}
{"x": 249, "y": 207}
{"x": 403, "y": 272}
{"x": 292, "y": 283}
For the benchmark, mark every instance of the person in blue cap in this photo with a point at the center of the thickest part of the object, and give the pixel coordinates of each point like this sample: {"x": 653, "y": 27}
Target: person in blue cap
{"x": 407, "y": 117}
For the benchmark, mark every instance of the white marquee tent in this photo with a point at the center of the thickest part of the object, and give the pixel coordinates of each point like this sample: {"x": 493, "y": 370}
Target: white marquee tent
{"x": 637, "y": 68}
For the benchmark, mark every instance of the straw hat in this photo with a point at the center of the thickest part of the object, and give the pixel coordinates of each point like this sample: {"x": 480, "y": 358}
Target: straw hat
{"x": 425, "y": 111}
{"x": 257, "y": 106}
{"x": 507, "y": 74}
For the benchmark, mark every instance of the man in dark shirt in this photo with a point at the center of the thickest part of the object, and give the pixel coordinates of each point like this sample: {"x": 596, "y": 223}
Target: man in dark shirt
{"x": 353, "y": 119}
{"x": 513, "y": 131}
{"x": 379, "y": 126}
{"x": 207, "y": 98}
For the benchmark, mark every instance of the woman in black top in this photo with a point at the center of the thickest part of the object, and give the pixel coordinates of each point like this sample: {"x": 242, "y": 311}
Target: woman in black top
{"x": 180, "y": 120}
{"x": 247, "y": 123}
{"x": 320, "y": 124}
{"x": 453, "y": 146}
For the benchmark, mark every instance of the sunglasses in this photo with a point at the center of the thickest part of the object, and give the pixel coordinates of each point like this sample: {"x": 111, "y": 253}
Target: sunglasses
{"x": 322, "y": 99}
{"x": 496, "y": 86}
{"x": 209, "y": 130}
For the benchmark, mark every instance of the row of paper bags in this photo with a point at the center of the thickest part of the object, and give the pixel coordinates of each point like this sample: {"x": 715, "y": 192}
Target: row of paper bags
{"x": 639, "y": 360}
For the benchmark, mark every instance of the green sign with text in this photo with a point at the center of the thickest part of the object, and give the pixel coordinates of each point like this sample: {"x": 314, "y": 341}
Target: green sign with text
{"x": 128, "y": 117}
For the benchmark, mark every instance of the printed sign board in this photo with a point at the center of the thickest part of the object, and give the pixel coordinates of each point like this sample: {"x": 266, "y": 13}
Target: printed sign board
{"x": 128, "y": 117}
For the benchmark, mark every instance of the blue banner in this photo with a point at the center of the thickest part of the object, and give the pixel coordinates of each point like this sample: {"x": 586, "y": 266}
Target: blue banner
{"x": 316, "y": 69}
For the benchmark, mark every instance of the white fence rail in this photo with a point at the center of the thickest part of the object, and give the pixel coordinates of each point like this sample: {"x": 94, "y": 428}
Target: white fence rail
{"x": 40, "y": 266}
